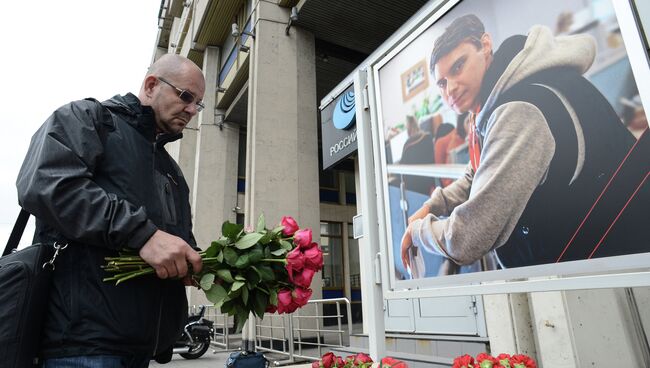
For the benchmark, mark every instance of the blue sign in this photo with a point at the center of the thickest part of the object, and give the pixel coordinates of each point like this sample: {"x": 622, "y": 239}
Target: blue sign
{"x": 344, "y": 115}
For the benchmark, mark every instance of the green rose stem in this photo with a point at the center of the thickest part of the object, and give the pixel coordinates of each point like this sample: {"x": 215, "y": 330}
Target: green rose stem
{"x": 130, "y": 267}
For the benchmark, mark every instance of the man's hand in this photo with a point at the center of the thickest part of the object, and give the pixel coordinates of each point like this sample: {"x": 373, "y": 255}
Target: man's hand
{"x": 419, "y": 214}
{"x": 169, "y": 255}
{"x": 407, "y": 243}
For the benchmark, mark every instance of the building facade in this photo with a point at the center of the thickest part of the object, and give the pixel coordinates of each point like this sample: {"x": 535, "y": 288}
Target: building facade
{"x": 272, "y": 68}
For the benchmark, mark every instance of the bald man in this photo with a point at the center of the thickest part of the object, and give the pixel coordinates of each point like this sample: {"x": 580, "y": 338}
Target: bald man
{"x": 97, "y": 177}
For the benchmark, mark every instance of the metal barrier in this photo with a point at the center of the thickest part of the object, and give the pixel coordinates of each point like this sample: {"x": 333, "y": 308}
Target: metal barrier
{"x": 302, "y": 335}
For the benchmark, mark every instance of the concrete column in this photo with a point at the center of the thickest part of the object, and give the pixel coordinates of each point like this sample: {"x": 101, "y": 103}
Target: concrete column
{"x": 509, "y": 326}
{"x": 282, "y": 146}
{"x": 214, "y": 190}
{"x": 552, "y": 327}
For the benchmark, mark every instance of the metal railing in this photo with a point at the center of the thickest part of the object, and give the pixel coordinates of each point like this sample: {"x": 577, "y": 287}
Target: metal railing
{"x": 304, "y": 334}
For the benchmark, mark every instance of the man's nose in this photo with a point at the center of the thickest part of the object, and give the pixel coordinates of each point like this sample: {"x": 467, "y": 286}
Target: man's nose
{"x": 191, "y": 109}
{"x": 451, "y": 87}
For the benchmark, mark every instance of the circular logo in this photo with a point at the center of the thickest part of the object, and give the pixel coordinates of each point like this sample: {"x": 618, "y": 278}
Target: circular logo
{"x": 344, "y": 112}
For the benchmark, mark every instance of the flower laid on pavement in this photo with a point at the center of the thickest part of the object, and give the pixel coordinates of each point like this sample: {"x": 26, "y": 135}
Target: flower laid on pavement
{"x": 360, "y": 360}
{"x": 259, "y": 270}
{"x": 485, "y": 360}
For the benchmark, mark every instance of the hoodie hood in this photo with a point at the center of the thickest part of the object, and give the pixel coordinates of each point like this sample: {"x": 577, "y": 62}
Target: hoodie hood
{"x": 542, "y": 51}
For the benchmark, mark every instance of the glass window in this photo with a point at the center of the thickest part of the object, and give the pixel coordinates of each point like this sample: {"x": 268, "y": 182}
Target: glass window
{"x": 329, "y": 179}
{"x": 349, "y": 182}
{"x": 353, "y": 250}
{"x": 241, "y": 163}
{"x": 332, "y": 244}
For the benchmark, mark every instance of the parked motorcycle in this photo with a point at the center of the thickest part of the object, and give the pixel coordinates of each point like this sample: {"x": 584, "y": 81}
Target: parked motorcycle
{"x": 196, "y": 336}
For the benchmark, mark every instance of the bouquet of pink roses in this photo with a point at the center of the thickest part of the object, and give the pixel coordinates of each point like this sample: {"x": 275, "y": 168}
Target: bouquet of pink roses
{"x": 247, "y": 271}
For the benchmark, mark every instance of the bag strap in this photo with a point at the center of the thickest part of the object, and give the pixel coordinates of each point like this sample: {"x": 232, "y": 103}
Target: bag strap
{"x": 17, "y": 232}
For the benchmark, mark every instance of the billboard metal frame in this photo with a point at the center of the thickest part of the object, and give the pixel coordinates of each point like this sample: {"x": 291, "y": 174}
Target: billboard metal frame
{"x": 610, "y": 272}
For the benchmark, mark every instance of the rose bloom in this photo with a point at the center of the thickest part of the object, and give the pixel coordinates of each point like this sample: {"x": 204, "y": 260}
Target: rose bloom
{"x": 328, "y": 360}
{"x": 290, "y": 225}
{"x": 464, "y": 361}
{"x": 389, "y": 362}
{"x": 295, "y": 261}
{"x": 313, "y": 257}
{"x": 271, "y": 308}
{"x": 301, "y": 296}
{"x": 350, "y": 359}
{"x": 285, "y": 302}
{"x": 302, "y": 238}
{"x": 361, "y": 358}
{"x": 339, "y": 362}
{"x": 302, "y": 278}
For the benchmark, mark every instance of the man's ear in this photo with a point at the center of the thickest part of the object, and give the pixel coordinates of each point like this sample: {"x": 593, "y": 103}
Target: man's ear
{"x": 486, "y": 44}
{"x": 150, "y": 82}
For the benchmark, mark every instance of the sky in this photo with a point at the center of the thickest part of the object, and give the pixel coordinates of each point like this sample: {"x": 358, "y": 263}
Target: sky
{"x": 55, "y": 52}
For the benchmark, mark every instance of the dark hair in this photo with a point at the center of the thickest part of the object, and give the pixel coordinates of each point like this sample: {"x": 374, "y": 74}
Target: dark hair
{"x": 467, "y": 28}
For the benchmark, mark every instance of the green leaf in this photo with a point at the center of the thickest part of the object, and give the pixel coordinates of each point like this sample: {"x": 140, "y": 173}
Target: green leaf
{"x": 252, "y": 277}
{"x": 248, "y": 240}
{"x": 237, "y": 285}
{"x": 223, "y": 241}
{"x": 230, "y": 255}
{"x": 231, "y": 230}
{"x": 213, "y": 249}
{"x": 273, "y": 298}
{"x": 266, "y": 238}
{"x": 235, "y": 294}
{"x": 261, "y": 302}
{"x": 227, "y": 306}
{"x": 216, "y": 294}
{"x": 242, "y": 261}
{"x": 255, "y": 255}
{"x": 207, "y": 281}
{"x": 279, "y": 252}
{"x": 277, "y": 230}
{"x": 222, "y": 302}
{"x": 261, "y": 223}
{"x": 242, "y": 316}
{"x": 286, "y": 245}
{"x": 244, "y": 294}
{"x": 266, "y": 273}
{"x": 225, "y": 275}
{"x": 220, "y": 256}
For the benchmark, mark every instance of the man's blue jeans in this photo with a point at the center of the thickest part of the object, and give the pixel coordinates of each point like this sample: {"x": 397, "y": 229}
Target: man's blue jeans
{"x": 97, "y": 361}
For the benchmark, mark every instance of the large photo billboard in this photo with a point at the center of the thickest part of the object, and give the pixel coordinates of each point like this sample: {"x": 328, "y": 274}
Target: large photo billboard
{"x": 513, "y": 137}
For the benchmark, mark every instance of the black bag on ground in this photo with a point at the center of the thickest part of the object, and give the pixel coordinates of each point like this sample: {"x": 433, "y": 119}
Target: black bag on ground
{"x": 25, "y": 278}
{"x": 247, "y": 359}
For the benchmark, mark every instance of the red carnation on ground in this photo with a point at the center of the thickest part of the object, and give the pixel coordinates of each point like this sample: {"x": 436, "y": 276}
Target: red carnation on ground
{"x": 464, "y": 361}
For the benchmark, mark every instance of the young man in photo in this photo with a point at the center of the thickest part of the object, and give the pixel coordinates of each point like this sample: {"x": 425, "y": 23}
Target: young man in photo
{"x": 544, "y": 143}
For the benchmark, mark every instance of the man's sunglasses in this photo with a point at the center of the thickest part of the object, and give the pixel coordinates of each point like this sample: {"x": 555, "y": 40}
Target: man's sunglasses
{"x": 186, "y": 96}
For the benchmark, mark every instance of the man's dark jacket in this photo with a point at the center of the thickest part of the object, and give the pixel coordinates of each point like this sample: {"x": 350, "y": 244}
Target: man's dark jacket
{"x": 97, "y": 177}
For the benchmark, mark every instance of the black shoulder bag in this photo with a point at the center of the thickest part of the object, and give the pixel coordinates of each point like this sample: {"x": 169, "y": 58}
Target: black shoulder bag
{"x": 25, "y": 279}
